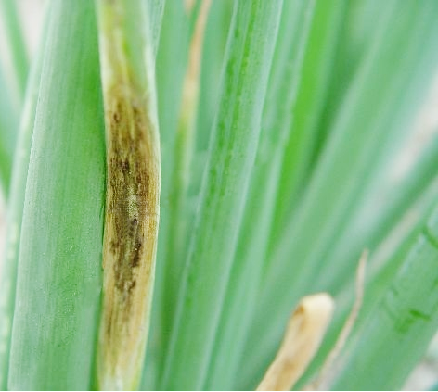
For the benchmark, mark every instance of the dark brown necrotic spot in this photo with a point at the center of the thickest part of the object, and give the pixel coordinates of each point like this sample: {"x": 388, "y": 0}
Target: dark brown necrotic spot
{"x": 128, "y": 173}
{"x": 125, "y": 166}
{"x": 137, "y": 253}
{"x": 116, "y": 117}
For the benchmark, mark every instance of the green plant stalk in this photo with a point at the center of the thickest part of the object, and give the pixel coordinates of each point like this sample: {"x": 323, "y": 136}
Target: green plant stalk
{"x": 394, "y": 200}
{"x": 225, "y": 184}
{"x": 319, "y": 59}
{"x": 8, "y": 274}
{"x": 361, "y": 169}
{"x": 380, "y": 272}
{"x": 133, "y": 191}
{"x": 385, "y": 197}
{"x": 8, "y": 134}
{"x": 192, "y": 9}
{"x": 419, "y": 72}
{"x": 249, "y": 261}
{"x": 382, "y": 267}
{"x": 396, "y": 334}
{"x": 13, "y": 78}
{"x": 170, "y": 45}
{"x": 211, "y": 66}
{"x": 8, "y": 126}
{"x": 59, "y": 274}
{"x": 177, "y": 225}
{"x": 155, "y": 12}
{"x": 5, "y": 169}
{"x": 354, "y": 42}
{"x": 410, "y": 201}
{"x": 305, "y": 221}
{"x": 175, "y": 252}
{"x": 16, "y": 44}
{"x": 333, "y": 189}
{"x": 177, "y": 30}
{"x": 172, "y": 50}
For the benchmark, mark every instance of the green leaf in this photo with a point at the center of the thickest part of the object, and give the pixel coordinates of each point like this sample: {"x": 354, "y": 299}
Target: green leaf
{"x": 399, "y": 329}
{"x": 177, "y": 235}
{"x": 213, "y": 51}
{"x": 16, "y": 47}
{"x": 225, "y": 184}
{"x": 211, "y": 66}
{"x": 314, "y": 88}
{"x": 383, "y": 266}
{"x": 246, "y": 274}
{"x": 172, "y": 50}
{"x": 59, "y": 275}
{"x": 13, "y": 78}
{"x": 376, "y": 111}
{"x": 155, "y": 13}
{"x": 357, "y": 130}
{"x": 8, "y": 127}
{"x": 8, "y": 274}
{"x": 389, "y": 197}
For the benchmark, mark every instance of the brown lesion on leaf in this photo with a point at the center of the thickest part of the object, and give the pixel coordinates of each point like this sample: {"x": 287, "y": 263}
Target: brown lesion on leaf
{"x": 132, "y": 192}
{"x": 132, "y": 199}
{"x": 131, "y": 227}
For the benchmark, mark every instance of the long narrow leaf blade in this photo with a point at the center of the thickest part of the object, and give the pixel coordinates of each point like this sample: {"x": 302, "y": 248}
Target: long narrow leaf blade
{"x": 8, "y": 129}
{"x": 366, "y": 122}
{"x": 126, "y": 48}
{"x": 248, "y": 266}
{"x": 8, "y": 272}
{"x": 397, "y": 332}
{"x": 59, "y": 276}
{"x": 232, "y": 152}
{"x": 172, "y": 49}
{"x": 155, "y": 12}
{"x": 19, "y": 63}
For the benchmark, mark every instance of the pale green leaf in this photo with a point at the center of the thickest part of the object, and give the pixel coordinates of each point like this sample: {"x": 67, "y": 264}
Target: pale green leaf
{"x": 59, "y": 274}
{"x": 235, "y": 134}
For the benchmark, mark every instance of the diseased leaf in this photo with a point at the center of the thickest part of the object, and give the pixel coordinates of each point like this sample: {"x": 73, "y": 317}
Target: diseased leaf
{"x": 133, "y": 190}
